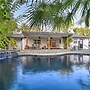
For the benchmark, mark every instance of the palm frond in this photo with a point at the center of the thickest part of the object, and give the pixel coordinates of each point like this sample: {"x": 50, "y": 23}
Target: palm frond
{"x": 87, "y": 18}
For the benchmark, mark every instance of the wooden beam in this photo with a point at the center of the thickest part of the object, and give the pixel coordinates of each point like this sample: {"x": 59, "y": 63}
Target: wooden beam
{"x": 67, "y": 42}
{"x": 48, "y": 42}
{"x": 26, "y": 47}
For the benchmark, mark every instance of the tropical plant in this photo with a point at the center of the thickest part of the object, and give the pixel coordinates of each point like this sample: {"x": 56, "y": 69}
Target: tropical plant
{"x": 5, "y": 27}
{"x": 70, "y": 39}
{"x": 81, "y": 31}
{"x": 6, "y": 23}
{"x": 79, "y": 6}
{"x": 55, "y": 13}
{"x": 12, "y": 41}
{"x": 43, "y": 14}
{"x": 24, "y": 27}
{"x": 38, "y": 15}
{"x": 65, "y": 42}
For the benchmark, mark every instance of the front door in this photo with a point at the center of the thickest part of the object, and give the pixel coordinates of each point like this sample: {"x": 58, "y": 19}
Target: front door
{"x": 80, "y": 44}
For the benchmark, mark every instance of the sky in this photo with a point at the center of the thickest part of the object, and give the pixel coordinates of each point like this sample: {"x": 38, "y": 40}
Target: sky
{"x": 19, "y": 12}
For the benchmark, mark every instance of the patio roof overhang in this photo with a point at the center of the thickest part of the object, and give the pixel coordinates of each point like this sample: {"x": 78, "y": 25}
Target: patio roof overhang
{"x": 39, "y": 35}
{"x": 16, "y": 35}
{"x": 45, "y": 34}
{"x": 80, "y": 37}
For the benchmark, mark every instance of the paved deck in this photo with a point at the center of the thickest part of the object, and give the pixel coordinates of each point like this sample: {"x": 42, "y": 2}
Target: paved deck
{"x": 52, "y": 52}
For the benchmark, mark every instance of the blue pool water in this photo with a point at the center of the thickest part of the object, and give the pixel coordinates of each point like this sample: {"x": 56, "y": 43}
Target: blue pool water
{"x": 70, "y": 72}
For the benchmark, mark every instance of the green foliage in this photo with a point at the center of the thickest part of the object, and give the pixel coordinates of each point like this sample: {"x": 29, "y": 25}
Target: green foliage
{"x": 81, "y": 31}
{"x": 65, "y": 39}
{"x": 6, "y": 23}
{"x": 5, "y": 28}
{"x": 12, "y": 41}
{"x": 44, "y": 13}
{"x": 4, "y": 11}
{"x": 38, "y": 15}
{"x": 70, "y": 39}
{"x": 3, "y": 42}
{"x": 81, "y": 6}
{"x": 56, "y": 13}
{"x": 24, "y": 27}
{"x": 65, "y": 42}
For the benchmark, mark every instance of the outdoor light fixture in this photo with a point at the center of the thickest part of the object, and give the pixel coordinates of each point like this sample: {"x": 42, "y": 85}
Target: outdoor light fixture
{"x": 39, "y": 37}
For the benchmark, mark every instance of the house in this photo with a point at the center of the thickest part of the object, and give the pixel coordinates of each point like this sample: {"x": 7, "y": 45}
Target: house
{"x": 80, "y": 42}
{"x": 40, "y": 40}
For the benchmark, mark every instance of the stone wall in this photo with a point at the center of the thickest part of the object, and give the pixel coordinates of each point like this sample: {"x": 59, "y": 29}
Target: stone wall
{"x": 4, "y": 54}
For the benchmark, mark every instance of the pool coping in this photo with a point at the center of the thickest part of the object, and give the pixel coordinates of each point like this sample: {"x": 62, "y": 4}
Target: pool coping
{"x": 56, "y": 53}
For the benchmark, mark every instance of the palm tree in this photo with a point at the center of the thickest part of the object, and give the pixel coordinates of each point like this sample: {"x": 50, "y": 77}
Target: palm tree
{"x": 78, "y": 6}
{"x": 44, "y": 14}
{"x": 56, "y": 12}
{"x": 38, "y": 15}
{"x": 24, "y": 27}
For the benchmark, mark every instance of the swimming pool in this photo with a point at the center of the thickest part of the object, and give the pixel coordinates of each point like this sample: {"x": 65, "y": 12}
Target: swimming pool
{"x": 68, "y": 72}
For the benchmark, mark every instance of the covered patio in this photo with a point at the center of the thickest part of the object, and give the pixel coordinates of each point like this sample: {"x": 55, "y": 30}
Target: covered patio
{"x": 41, "y": 40}
{"x": 46, "y": 40}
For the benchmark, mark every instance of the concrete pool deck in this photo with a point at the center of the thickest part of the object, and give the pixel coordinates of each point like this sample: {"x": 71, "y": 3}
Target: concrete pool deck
{"x": 52, "y": 52}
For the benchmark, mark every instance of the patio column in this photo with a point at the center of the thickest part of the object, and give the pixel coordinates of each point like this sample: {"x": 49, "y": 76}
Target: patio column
{"x": 49, "y": 42}
{"x": 26, "y": 47}
{"x": 67, "y": 42}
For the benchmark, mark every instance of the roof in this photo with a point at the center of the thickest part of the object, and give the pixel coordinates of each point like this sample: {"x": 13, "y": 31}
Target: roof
{"x": 41, "y": 34}
{"x": 51, "y": 34}
{"x": 11, "y": 35}
{"x": 79, "y": 36}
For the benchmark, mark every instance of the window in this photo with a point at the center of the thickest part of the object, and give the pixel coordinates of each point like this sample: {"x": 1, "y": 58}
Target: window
{"x": 75, "y": 41}
{"x": 37, "y": 41}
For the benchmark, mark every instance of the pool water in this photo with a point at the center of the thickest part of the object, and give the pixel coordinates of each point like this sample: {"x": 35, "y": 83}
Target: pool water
{"x": 69, "y": 72}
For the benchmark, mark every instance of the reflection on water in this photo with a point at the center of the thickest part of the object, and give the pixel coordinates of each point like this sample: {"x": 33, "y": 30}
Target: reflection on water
{"x": 70, "y": 72}
{"x": 8, "y": 69}
{"x": 41, "y": 64}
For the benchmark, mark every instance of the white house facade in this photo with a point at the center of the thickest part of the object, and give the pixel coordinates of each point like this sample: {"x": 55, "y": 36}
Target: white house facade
{"x": 80, "y": 42}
